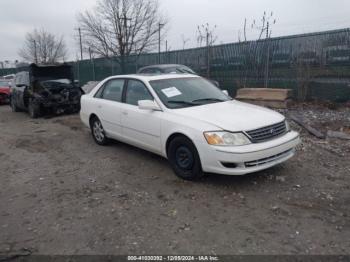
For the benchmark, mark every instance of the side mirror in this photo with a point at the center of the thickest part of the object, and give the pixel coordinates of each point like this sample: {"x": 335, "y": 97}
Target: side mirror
{"x": 225, "y": 92}
{"x": 149, "y": 105}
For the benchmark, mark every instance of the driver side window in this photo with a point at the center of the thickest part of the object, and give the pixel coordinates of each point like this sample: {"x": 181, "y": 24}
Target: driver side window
{"x": 135, "y": 92}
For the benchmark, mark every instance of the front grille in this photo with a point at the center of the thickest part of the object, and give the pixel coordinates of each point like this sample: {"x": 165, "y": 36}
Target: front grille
{"x": 267, "y": 160}
{"x": 267, "y": 133}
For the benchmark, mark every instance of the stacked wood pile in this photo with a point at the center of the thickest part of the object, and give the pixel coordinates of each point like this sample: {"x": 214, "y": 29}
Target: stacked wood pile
{"x": 268, "y": 97}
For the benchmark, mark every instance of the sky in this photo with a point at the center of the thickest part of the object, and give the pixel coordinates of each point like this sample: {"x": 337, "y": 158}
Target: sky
{"x": 17, "y": 17}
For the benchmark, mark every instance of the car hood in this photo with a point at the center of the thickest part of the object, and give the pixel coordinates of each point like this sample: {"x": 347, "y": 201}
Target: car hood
{"x": 233, "y": 115}
{"x": 5, "y": 90}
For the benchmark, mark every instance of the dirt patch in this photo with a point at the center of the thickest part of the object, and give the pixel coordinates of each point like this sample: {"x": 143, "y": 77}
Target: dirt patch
{"x": 73, "y": 122}
{"x": 63, "y": 194}
{"x": 32, "y": 145}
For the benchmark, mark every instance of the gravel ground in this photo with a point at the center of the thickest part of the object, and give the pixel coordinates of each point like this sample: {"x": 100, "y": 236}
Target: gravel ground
{"x": 62, "y": 194}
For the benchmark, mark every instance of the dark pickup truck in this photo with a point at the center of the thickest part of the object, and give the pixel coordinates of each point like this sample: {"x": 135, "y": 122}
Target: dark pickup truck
{"x": 45, "y": 90}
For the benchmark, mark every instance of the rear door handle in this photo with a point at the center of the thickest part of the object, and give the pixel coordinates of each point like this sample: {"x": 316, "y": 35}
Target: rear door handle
{"x": 99, "y": 107}
{"x": 125, "y": 113}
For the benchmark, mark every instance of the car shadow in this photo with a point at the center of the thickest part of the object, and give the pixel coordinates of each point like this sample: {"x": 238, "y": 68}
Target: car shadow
{"x": 208, "y": 178}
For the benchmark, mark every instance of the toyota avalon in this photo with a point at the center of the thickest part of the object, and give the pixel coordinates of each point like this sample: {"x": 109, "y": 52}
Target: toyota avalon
{"x": 189, "y": 121}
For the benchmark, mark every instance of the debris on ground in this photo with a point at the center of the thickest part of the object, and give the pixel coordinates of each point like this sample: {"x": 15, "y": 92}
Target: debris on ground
{"x": 309, "y": 128}
{"x": 63, "y": 194}
{"x": 340, "y": 135}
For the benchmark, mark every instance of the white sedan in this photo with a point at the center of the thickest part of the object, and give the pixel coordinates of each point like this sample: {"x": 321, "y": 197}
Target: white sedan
{"x": 189, "y": 121}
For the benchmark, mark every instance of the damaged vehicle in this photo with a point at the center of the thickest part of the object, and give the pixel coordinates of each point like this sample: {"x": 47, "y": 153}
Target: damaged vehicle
{"x": 45, "y": 90}
{"x": 4, "y": 91}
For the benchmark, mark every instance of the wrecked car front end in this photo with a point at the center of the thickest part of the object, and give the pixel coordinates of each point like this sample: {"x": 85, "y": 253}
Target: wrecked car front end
{"x": 56, "y": 97}
{"x": 54, "y": 90}
{"x": 4, "y": 91}
{"x": 4, "y": 95}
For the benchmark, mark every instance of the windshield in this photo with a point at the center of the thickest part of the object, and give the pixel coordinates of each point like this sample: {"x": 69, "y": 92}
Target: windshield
{"x": 187, "y": 92}
{"x": 181, "y": 70}
{"x": 54, "y": 83}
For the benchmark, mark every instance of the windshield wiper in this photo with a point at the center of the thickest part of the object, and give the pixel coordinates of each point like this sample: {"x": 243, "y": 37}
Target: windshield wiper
{"x": 208, "y": 100}
{"x": 183, "y": 103}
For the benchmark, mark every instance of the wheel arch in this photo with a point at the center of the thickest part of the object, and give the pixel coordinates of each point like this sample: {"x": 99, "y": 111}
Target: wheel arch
{"x": 92, "y": 117}
{"x": 175, "y": 135}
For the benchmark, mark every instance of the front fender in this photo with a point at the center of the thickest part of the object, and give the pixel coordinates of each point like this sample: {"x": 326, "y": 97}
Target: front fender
{"x": 193, "y": 129}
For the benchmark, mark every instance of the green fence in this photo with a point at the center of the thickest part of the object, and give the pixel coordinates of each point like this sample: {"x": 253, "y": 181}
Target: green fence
{"x": 315, "y": 66}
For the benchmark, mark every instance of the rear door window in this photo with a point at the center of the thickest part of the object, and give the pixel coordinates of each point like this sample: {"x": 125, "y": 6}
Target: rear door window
{"x": 112, "y": 90}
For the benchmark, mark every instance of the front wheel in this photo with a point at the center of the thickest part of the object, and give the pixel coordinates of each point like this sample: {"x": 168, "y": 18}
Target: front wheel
{"x": 33, "y": 109}
{"x": 184, "y": 159}
{"x": 98, "y": 133}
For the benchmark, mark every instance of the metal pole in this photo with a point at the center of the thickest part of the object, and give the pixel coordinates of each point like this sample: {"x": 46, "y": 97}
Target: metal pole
{"x": 93, "y": 64}
{"x": 268, "y": 56}
{"x": 159, "y": 45}
{"x": 78, "y": 64}
{"x": 208, "y": 55}
{"x": 166, "y": 50}
{"x": 81, "y": 44}
{"x": 35, "y": 53}
{"x": 160, "y": 26}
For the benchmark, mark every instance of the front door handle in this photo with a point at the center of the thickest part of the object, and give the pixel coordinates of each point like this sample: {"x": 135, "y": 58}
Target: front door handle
{"x": 125, "y": 113}
{"x": 99, "y": 107}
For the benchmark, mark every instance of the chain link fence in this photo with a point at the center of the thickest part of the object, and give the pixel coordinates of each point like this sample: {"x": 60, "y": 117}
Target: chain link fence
{"x": 315, "y": 66}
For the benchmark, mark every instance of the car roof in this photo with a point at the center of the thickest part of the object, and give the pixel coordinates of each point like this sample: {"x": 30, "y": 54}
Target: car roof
{"x": 163, "y": 66}
{"x": 154, "y": 77}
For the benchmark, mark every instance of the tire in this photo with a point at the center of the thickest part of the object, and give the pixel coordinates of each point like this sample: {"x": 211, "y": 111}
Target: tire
{"x": 98, "y": 133}
{"x": 184, "y": 159}
{"x": 13, "y": 105}
{"x": 33, "y": 109}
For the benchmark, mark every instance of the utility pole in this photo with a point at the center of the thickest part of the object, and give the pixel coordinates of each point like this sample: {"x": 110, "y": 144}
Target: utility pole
{"x": 93, "y": 64}
{"x": 268, "y": 55}
{"x": 160, "y": 27}
{"x": 81, "y": 44}
{"x": 35, "y": 53}
{"x": 208, "y": 53}
{"x": 126, "y": 47}
{"x": 126, "y": 19}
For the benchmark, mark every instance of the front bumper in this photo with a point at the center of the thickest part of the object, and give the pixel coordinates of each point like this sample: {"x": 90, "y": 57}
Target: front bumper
{"x": 59, "y": 108}
{"x": 247, "y": 159}
{"x": 4, "y": 98}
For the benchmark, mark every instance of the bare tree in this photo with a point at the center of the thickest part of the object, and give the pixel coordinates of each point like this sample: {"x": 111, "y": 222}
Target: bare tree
{"x": 184, "y": 41}
{"x": 43, "y": 47}
{"x": 253, "y": 49}
{"x": 206, "y": 34}
{"x": 267, "y": 21}
{"x": 120, "y": 28}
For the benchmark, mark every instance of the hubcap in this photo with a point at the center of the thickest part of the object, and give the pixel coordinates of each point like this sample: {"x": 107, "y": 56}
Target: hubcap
{"x": 98, "y": 131}
{"x": 184, "y": 158}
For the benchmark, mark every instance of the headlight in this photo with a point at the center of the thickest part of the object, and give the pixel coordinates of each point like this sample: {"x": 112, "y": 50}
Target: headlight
{"x": 226, "y": 139}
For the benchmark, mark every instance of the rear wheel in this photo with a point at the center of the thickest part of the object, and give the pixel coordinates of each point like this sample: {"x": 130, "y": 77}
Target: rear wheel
{"x": 98, "y": 133}
{"x": 33, "y": 109}
{"x": 184, "y": 159}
